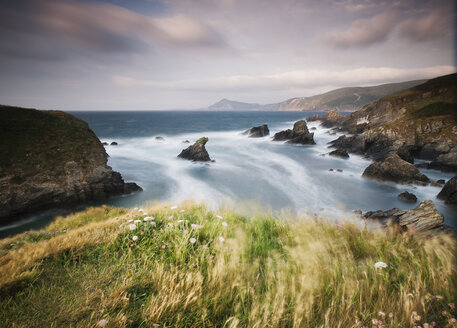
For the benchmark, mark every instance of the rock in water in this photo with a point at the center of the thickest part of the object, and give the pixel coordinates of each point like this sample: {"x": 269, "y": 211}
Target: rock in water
{"x": 407, "y": 197}
{"x": 51, "y": 159}
{"x": 394, "y": 169}
{"x": 422, "y": 221}
{"x": 196, "y": 152}
{"x": 332, "y": 118}
{"x": 298, "y": 135}
{"x": 449, "y": 191}
{"x": 340, "y": 152}
{"x": 313, "y": 118}
{"x": 258, "y": 131}
{"x": 114, "y": 143}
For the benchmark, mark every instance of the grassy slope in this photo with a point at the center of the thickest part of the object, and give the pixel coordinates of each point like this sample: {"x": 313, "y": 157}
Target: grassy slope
{"x": 34, "y": 140}
{"x": 355, "y": 96}
{"x": 269, "y": 272}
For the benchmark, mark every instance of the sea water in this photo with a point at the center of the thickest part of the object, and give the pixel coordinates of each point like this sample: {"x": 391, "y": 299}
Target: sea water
{"x": 248, "y": 173}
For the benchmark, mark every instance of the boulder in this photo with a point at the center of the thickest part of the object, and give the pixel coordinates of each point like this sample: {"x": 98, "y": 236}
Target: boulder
{"x": 186, "y": 141}
{"x": 105, "y": 143}
{"x": 407, "y": 197}
{"x": 196, "y": 152}
{"x": 440, "y": 181}
{"x": 257, "y": 131}
{"x": 395, "y": 169}
{"x": 449, "y": 191}
{"x": 159, "y": 138}
{"x": 422, "y": 221}
{"x": 313, "y": 118}
{"x": 298, "y": 135}
{"x": 332, "y": 119}
{"x": 340, "y": 152}
{"x": 114, "y": 143}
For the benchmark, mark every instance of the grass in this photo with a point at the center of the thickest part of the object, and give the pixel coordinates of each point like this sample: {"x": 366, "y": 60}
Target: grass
{"x": 435, "y": 109}
{"x": 263, "y": 272}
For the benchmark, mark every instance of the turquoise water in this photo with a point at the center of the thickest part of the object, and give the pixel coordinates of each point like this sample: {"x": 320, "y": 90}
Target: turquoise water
{"x": 247, "y": 174}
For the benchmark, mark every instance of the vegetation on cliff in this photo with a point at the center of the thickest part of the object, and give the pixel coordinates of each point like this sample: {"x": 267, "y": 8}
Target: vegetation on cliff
{"x": 189, "y": 267}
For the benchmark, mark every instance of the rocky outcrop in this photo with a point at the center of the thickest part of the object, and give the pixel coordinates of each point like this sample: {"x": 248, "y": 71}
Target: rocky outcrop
{"x": 298, "y": 135}
{"x": 51, "y": 159}
{"x": 394, "y": 169}
{"x": 420, "y": 122}
{"x": 332, "y": 119}
{"x": 313, "y": 118}
{"x": 196, "y": 152}
{"x": 257, "y": 131}
{"x": 340, "y": 152}
{"x": 407, "y": 197}
{"x": 114, "y": 143}
{"x": 449, "y": 191}
{"x": 422, "y": 221}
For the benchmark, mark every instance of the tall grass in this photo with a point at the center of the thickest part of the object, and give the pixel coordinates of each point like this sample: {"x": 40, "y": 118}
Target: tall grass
{"x": 248, "y": 272}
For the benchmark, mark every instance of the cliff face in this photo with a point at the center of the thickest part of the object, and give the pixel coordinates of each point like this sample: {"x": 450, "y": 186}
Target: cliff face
{"x": 418, "y": 122}
{"x": 51, "y": 159}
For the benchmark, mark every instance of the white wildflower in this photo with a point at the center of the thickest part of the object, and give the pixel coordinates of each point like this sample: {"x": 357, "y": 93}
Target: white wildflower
{"x": 224, "y": 224}
{"x": 174, "y": 207}
{"x": 219, "y": 217}
{"x": 193, "y": 240}
{"x": 221, "y": 239}
{"x": 131, "y": 220}
{"x": 185, "y": 232}
{"x": 153, "y": 223}
{"x": 179, "y": 221}
{"x": 196, "y": 226}
{"x": 137, "y": 221}
{"x": 102, "y": 323}
{"x": 181, "y": 211}
{"x": 380, "y": 265}
{"x": 132, "y": 226}
{"x": 135, "y": 238}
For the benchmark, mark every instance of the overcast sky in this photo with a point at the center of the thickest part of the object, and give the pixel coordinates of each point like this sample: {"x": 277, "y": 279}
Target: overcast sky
{"x": 173, "y": 54}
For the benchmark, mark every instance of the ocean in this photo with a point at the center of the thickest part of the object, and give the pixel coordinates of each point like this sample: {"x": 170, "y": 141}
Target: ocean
{"x": 249, "y": 174}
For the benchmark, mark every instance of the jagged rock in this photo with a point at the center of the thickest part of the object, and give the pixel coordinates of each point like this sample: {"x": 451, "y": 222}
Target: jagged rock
{"x": 407, "y": 197}
{"x": 313, "y": 118}
{"x": 331, "y": 170}
{"x": 159, "y": 138}
{"x": 59, "y": 162}
{"x": 340, "y": 152}
{"x": 298, "y": 135}
{"x": 394, "y": 169}
{"x": 423, "y": 220}
{"x": 114, "y": 143}
{"x": 449, "y": 191}
{"x": 186, "y": 141}
{"x": 313, "y": 128}
{"x": 105, "y": 143}
{"x": 440, "y": 181}
{"x": 446, "y": 161}
{"x": 332, "y": 119}
{"x": 196, "y": 152}
{"x": 257, "y": 131}
{"x": 339, "y": 170}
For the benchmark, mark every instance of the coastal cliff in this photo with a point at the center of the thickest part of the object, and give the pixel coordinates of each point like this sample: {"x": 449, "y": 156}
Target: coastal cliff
{"x": 420, "y": 122}
{"x": 51, "y": 159}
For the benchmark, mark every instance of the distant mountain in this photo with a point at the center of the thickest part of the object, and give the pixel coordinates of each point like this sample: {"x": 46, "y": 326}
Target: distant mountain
{"x": 226, "y": 104}
{"x": 347, "y": 99}
{"x": 350, "y": 99}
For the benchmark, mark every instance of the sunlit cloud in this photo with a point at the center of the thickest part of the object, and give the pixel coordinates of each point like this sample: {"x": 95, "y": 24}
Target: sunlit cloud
{"x": 285, "y": 80}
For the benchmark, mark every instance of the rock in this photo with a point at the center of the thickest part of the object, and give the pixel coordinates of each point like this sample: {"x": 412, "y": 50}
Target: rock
{"x": 394, "y": 169}
{"x": 440, "y": 181}
{"x": 313, "y": 128}
{"x": 331, "y": 170}
{"x": 298, "y": 135}
{"x": 407, "y": 197}
{"x": 339, "y": 170}
{"x": 114, "y": 143}
{"x": 422, "y": 221}
{"x": 340, "y": 152}
{"x": 196, "y": 152}
{"x": 332, "y": 119}
{"x": 60, "y": 163}
{"x": 159, "y": 138}
{"x": 313, "y": 118}
{"x": 105, "y": 143}
{"x": 186, "y": 141}
{"x": 449, "y": 191}
{"x": 257, "y": 131}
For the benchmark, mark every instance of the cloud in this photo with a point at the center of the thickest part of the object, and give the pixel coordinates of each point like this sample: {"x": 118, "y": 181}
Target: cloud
{"x": 436, "y": 24}
{"x": 364, "y": 32}
{"x": 292, "y": 79}
{"x": 95, "y": 27}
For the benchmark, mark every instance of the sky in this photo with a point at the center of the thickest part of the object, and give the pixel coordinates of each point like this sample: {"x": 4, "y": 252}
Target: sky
{"x": 189, "y": 54}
